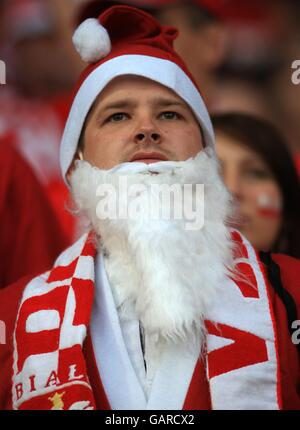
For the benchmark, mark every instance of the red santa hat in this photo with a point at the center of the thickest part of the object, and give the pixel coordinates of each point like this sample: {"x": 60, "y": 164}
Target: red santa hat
{"x": 127, "y": 41}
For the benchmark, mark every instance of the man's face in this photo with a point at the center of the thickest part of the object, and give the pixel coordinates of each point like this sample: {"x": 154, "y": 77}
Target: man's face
{"x": 135, "y": 119}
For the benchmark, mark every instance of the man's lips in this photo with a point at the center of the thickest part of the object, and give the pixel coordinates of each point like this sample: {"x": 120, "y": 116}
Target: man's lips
{"x": 148, "y": 157}
{"x": 148, "y": 160}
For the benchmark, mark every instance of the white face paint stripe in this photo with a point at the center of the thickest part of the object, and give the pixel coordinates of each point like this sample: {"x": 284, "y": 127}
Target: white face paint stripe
{"x": 266, "y": 201}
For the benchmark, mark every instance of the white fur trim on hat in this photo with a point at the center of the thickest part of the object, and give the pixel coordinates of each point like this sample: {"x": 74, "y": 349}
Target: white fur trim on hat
{"x": 91, "y": 41}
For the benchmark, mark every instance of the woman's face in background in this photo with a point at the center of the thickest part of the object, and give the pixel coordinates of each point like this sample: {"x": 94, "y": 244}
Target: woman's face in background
{"x": 255, "y": 191}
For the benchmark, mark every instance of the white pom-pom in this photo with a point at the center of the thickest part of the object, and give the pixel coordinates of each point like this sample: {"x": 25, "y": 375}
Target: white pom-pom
{"x": 91, "y": 41}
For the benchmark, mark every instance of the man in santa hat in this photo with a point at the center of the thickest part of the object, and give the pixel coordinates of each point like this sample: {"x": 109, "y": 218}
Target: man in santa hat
{"x": 145, "y": 311}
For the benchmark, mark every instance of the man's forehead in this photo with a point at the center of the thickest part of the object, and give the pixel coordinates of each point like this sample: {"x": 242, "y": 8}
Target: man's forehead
{"x": 126, "y": 89}
{"x": 121, "y": 84}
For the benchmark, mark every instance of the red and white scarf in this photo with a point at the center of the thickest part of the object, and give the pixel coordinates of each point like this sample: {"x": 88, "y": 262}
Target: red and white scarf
{"x": 49, "y": 365}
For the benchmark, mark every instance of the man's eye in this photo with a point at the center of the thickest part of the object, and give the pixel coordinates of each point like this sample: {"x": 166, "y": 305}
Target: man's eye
{"x": 117, "y": 117}
{"x": 170, "y": 115}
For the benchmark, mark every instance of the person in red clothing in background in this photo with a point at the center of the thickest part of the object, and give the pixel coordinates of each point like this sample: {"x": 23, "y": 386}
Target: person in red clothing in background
{"x": 34, "y": 103}
{"x": 31, "y": 236}
{"x": 148, "y": 309}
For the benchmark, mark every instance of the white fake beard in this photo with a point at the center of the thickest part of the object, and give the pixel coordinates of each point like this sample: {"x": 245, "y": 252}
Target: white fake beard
{"x": 167, "y": 273}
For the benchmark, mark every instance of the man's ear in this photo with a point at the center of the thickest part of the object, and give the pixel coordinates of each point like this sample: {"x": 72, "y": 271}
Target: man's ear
{"x": 77, "y": 156}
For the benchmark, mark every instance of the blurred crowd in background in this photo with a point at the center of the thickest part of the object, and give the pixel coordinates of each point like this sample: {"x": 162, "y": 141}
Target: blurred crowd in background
{"x": 241, "y": 54}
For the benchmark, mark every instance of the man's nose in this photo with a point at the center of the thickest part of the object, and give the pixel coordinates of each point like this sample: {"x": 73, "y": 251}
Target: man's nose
{"x": 147, "y": 134}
